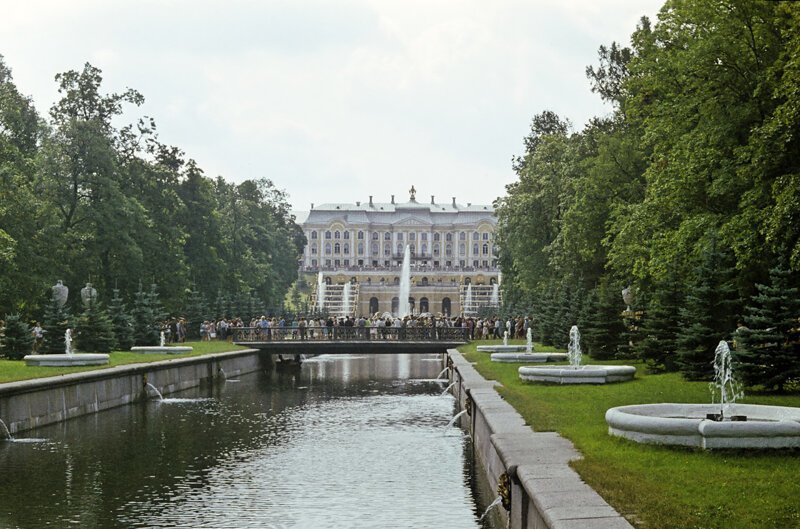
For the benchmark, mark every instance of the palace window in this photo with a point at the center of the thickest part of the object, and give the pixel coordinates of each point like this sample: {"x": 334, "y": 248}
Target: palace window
{"x": 412, "y": 236}
{"x": 475, "y": 249}
{"x": 424, "y": 236}
{"x": 314, "y": 234}
{"x": 337, "y": 235}
{"x": 462, "y": 236}
{"x": 476, "y": 236}
{"x": 375, "y": 236}
{"x": 400, "y": 236}
{"x": 347, "y": 235}
{"x": 327, "y": 248}
{"x": 328, "y": 234}
{"x": 436, "y": 237}
{"x": 374, "y": 249}
{"x": 361, "y": 248}
{"x": 462, "y": 249}
{"x": 360, "y": 235}
{"x": 387, "y": 236}
{"x": 448, "y": 237}
{"x": 346, "y": 248}
{"x": 486, "y": 236}
{"x": 449, "y": 250}
{"x": 337, "y": 248}
{"x": 485, "y": 249}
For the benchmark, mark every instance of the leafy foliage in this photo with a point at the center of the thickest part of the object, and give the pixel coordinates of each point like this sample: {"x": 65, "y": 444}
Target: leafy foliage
{"x": 17, "y": 339}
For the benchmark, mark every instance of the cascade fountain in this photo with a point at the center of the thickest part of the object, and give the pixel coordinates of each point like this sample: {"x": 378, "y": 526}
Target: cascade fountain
{"x": 529, "y": 343}
{"x": 439, "y": 376}
{"x": 158, "y": 393}
{"x": 576, "y": 373}
{"x": 346, "y": 298}
{"x": 69, "y": 358}
{"x": 320, "y": 292}
{"x": 405, "y": 284}
{"x": 6, "y": 434}
{"x": 468, "y": 301}
{"x": 709, "y": 425}
{"x": 447, "y": 389}
{"x": 456, "y": 417}
{"x": 494, "y": 300}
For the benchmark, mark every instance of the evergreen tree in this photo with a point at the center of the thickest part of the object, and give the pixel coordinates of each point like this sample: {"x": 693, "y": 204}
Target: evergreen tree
{"x": 121, "y": 321}
{"x": 196, "y": 312}
{"x": 17, "y": 340}
{"x": 159, "y": 313}
{"x": 661, "y": 325}
{"x": 95, "y": 331}
{"x": 769, "y": 354}
{"x": 709, "y": 315}
{"x": 145, "y": 323}
{"x": 57, "y": 320}
{"x": 544, "y": 315}
{"x": 604, "y": 329}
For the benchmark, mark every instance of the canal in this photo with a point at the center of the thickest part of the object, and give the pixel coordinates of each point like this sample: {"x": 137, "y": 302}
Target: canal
{"x": 341, "y": 442}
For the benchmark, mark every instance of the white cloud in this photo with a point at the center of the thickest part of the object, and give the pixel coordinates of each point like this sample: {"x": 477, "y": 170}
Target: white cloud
{"x": 333, "y": 101}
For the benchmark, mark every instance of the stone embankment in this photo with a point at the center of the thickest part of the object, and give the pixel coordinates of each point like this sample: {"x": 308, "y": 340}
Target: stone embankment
{"x": 545, "y": 492}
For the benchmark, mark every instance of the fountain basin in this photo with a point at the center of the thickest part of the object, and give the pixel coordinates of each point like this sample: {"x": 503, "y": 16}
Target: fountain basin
{"x": 529, "y": 357}
{"x": 501, "y": 348}
{"x": 588, "y": 374}
{"x": 160, "y": 349}
{"x": 686, "y": 425}
{"x": 82, "y": 359}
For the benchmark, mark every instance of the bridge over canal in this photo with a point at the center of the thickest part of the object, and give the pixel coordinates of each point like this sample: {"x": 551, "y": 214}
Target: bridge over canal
{"x": 351, "y": 340}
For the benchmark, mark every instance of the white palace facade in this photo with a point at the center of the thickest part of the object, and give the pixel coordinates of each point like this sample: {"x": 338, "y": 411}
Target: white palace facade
{"x": 452, "y": 247}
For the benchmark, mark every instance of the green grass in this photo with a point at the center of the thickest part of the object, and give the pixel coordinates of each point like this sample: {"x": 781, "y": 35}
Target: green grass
{"x": 14, "y": 370}
{"x": 653, "y": 486}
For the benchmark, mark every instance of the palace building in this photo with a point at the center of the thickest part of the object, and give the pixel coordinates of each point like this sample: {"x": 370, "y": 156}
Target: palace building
{"x": 358, "y": 251}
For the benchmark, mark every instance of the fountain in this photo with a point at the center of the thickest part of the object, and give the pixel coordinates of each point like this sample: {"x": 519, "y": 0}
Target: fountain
{"x": 519, "y": 353}
{"x": 158, "y": 393}
{"x": 70, "y": 358}
{"x": 456, "y": 417}
{"x": 447, "y": 389}
{"x": 529, "y": 342}
{"x": 439, "y": 376}
{"x": 320, "y": 292}
{"x": 577, "y": 373}
{"x": 505, "y": 338}
{"x": 405, "y": 284}
{"x": 5, "y": 431}
{"x": 161, "y": 348}
{"x": 346, "y": 298}
{"x": 709, "y": 425}
{"x": 494, "y": 299}
{"x": 468, "y": 301}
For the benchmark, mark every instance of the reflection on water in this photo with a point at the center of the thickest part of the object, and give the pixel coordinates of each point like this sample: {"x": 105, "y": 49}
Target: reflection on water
{"x": 341, "y": 442}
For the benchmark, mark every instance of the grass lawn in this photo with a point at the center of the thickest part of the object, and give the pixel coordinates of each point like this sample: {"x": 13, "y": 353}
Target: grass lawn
{"x": 13, "y": 370}
{"x": 652, "y": 486}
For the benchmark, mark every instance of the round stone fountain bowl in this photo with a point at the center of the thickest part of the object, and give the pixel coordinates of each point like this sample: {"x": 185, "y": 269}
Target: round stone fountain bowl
{"x": 688, "y": 425}
{"x": 501, "y": 348}
{"x": 533, "y": 358}
{"x": 161, "y": 349}
{"x": 77, "y": 359}
{"x": 588, "y": 374}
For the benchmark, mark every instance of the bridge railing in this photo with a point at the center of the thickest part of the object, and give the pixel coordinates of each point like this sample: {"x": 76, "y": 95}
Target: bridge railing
{"x": 347, "y": 334}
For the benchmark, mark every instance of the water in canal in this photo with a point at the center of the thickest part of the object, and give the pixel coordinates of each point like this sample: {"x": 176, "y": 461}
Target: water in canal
{"x": 343, "y": 442}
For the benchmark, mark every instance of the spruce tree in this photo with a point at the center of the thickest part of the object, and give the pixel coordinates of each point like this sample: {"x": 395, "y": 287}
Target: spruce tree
{"x": 95, "y": 331}
{"x": 661, "y": 325}
{"x": 57, "y": 320}
{"x": 121, "y": 321}
{"x": 769, "y": 350}
{"x": 604, "y": 330}
{"x": 196, "y": 312}
{"x": 145, "y": 323}
{"x": 709, "y": 315}
{"x": 17, "y": 339}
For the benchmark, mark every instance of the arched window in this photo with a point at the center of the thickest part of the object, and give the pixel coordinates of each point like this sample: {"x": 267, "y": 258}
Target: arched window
{"x": 485, "y": 249}
{"x": 347, "y": 235}
{"x": 475, "y": 236}
{"x": 462, "y": 236}
{"x": 423, "y": 249}
{"x": 462, "y": 249}
{"x": 424, "y": 282}
{"x": 399, "y": 249}
{"x": 436, "y": 250}
{"x": 492, "y": 280}
{"x": 424, "y": 236}
{"x": 360, "y": 235}
{"x": 387, "y": 236}
{"x": 467, "y": 280}
{"x": 313, "y": 249}
{"x": 328, "y": 234}
{"x": 475, "y": 249}
{"x": 446, "y": 306}
{"x": 387, "y": 250}
{"x": 361, "y": 248}
{"x": 375, "y": 236}
{"x": 400, "y": 236}
{"x": 327, "y": 248}
{"x": 412, "y": 236}
{"x": 337, "y": 248}
{"x": 486, "y": 236}
{"x": 412, "y": 303}
{"x": 328, "y": 281}
{"x": 314, "y": 234}
{"x": 346, "y": 248}
{"x": 448, "y": 237}
{"x": 374, "y": 248}
{"x": 396, "y": 280}
{"x": 412, "y": 249}
{"x": 374, "y": 306}
{"x": 436, "y": 237}
{"x": 448, "y": 250}
{"x": 337, "y": 235}
{"x": 423, "y": 305}
{"x": 395, "y": 305}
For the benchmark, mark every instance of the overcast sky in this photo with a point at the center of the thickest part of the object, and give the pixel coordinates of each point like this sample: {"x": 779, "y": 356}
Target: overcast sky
{"x": 333, "y": 100}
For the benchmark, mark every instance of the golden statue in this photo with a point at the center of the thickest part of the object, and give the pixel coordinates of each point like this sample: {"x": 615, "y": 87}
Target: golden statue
{"x": 413, "y": 193}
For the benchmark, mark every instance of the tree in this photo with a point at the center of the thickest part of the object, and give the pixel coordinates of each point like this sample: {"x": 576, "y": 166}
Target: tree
{"x": 604, "y": 330}
{"x": 95, "y": 330}
{"x": 196, "y": 312}
{"x": 710, "y": 313}
{"x": 17, "y": 340}
{"x": 661, "y": 326}
{"x": 146, "y": 326}
{"x": 57, "y": 320}
{"x": 769, "y": 355}
{"x": 121, "y": 321}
